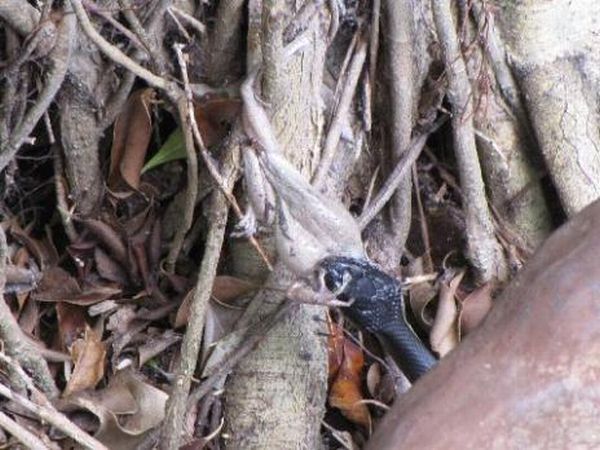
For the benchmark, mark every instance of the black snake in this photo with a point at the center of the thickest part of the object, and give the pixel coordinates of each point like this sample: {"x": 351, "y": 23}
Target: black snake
{"x": 376, "y": 304}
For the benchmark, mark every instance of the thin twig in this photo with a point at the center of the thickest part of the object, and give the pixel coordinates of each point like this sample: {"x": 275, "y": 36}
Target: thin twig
{"x": 173, "y": 423}
{"x": 400, "y": 171}
{"x": 95, "y": 9}
{"x": 374, "y": 44}
{"x": 422, "y": 222}
{"x": 185, "y": 108}
{"x": 117, "y": 56}
{"x": 195, "y": 23}
{"x": 23, "y": 435}
{"x": 340, "y": 436}
{"x": 255, "y": 334}
{"x": 59, "y": 57}
{"x": 66, "y": 214}
{"x": 482, "y": 247}
{"x": 216, "y": 175}
{"x": 53, "y": 417}
{"x": 335, "y": 129}
{"x": 179, "y": 25}
{"x": 14, "y": 339}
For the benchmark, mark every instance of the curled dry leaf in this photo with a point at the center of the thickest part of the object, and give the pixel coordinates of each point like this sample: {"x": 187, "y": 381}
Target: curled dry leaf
{"x": 444, "y": 333}
{"x": 89, "y": 355}
{"x": 345, "y": 392}
{"x": 131, "y": 136}
{"x": 474, "y": 308}
{"x": 421, "y": 295}
{"x": 127, "y": 409}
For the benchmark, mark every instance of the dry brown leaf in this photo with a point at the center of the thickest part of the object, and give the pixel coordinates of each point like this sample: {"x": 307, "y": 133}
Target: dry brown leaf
{"x": 108, "y": 268}
{"x": 475, "y": 307}
{"x": 225, "y": 289}
{"x": 131, "y": 136}
{"x": 89, "y": 355}
{"x": 110, "y": 239}
{"x": 127, "y": 409}
{"x": 27, "y": 280}
{"x": 213, "y": 117}
{"x": 444, "y": 333}
{"x": 72, "y": 323}
{"x": 56, "y": 285}
{"x": 94, "y": 294}
{"x": 345, "y": 392}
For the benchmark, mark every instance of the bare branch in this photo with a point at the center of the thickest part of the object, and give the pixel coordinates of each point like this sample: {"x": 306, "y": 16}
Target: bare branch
{"x": 23, "y": 435}
{"x": 335, "y": 129}
{"x": 118, "y": 56}
{"x": 484, "y": 251}
{"x": 59, "y": 57}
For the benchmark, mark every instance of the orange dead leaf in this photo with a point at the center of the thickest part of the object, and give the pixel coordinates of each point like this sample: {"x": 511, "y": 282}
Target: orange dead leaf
{"x": 346, "y": 393}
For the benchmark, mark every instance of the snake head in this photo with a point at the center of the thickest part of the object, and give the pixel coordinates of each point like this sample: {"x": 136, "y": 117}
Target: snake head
{"x": 374, "y": 298}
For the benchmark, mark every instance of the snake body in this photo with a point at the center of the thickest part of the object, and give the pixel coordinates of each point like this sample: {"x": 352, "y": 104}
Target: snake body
{"x": 376, "y": 304}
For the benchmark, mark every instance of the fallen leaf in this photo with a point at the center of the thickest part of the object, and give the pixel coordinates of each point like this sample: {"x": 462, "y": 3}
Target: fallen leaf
{"x": 108, "y": 268}
{"x": 225, "y": 289}
{"x": 56, "y": 285}
{"x": 127, "y": 409}
{"x": 474, "y": 308}
{"x": 110, "y": 239}
{"x": 444, "y": 332}
{"x": 421, "y": 295}
{"x": 345, "y": 392}
{"x": 131, "y": 136}
{"x": 72, "y": 323}
{"x": 89, "y": 355}
{"x": 43, "y": 254}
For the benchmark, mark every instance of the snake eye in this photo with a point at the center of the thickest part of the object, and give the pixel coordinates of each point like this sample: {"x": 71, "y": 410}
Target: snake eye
{"x": 336, "y": 274}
